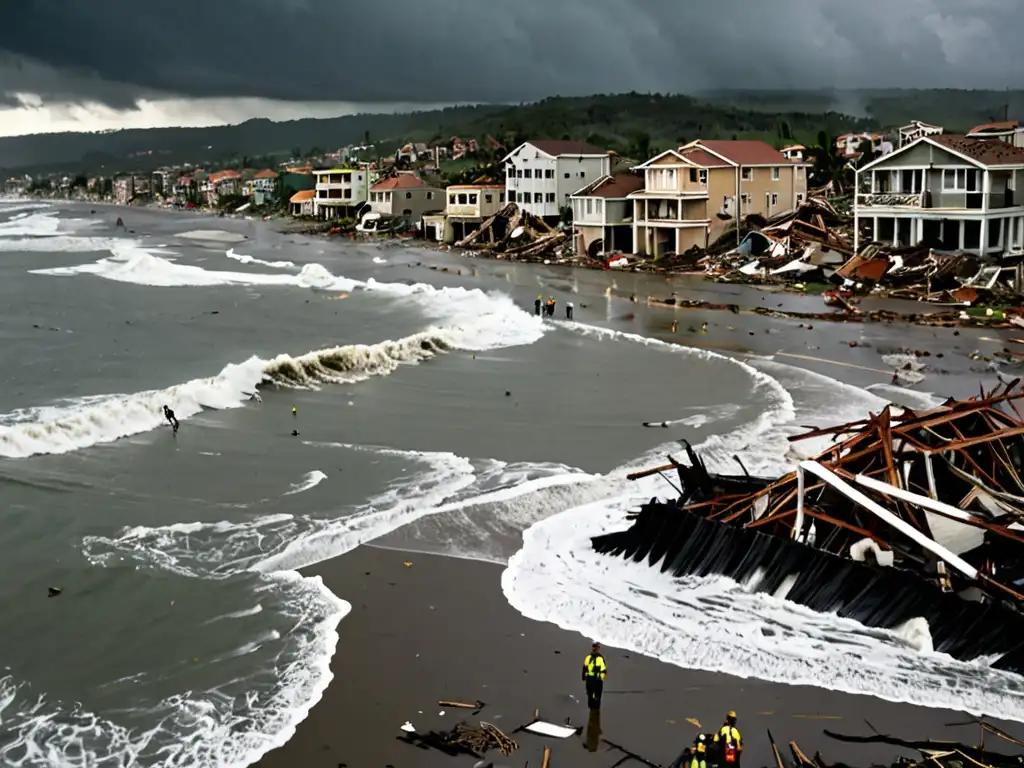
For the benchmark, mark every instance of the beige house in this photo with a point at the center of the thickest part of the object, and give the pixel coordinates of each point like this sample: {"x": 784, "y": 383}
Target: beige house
{"x": 407, "y": 196}
{"x": 690, "y": 194}
{"x": 302, "y": 203}
{"x": 468, "y": 206}
{"x": 602, "y": 214}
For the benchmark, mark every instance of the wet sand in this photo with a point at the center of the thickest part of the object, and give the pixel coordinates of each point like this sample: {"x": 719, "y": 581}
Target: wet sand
{"x": 440, "y": 628}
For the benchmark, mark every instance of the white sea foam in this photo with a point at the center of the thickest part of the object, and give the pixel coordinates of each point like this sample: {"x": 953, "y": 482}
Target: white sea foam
{"x": 477, "y": 321}
{"x": 203, "y": 730}
{"x": 716, "y": 624}
{"x": 311, "y": 480}
{"x": 250, "y": 260}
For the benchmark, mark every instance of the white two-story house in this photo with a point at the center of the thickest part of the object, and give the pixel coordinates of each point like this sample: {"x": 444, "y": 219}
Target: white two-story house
{"x": 944, "y": 190}
{"x": 340, "y": 192}
{"x": 602, "y": 214}
{"x": 540, "y": 176}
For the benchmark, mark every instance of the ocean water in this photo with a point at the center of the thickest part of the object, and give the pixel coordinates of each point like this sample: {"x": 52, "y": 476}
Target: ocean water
{"x": 432, "y": 414}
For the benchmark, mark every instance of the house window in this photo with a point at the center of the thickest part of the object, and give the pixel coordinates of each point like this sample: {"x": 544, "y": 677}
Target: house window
{"x": 550, "y": 198}
{"x": 776, "y": 174}
{"x": 387, "y": 197}
{"x": 745, "y": 198}
{"x": 702, "y": 176}
{"x": 462, "y": 199}
{"x": 519, "y": 174}
{"x": 473, "y": 198}
{"x": 501, "y": 197}
{"x": 549, "y": 174}
{"x": 360, "y": 177}
{"x": 408, "y": 195}
{"x": 430, "y": 195}
{"x": 590, "y": 206}
{"x": 538, "y": 197}
{"x": 488, "y": 198}
{"x": 511, "y": 195}
{"x": 567, "y": 175}
{"x": 799, "y": 197}
{"x": 583, "y": 174}
{"x": 451, "y": 199}
{"x": 598, "y": 206}
{"x": 747, "y": 174}
{"x": 407, "y": 212}
{"x": 527, "y": 174}
{"x": 775, "y": 199}
{"x": 960, "y": 180}
{"x": 348, "y": 194}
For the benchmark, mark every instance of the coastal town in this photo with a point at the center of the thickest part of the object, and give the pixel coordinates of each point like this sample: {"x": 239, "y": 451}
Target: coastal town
{"x": 917, "y": 211}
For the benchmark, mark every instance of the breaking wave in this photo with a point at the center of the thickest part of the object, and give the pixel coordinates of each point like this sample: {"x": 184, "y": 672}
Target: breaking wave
{"x": 476, "y": 321}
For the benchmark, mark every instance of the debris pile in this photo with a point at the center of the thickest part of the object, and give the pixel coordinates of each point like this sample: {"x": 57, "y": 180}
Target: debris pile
{"x": 518, "y": 235}
{"x": 464, "y": 739}
{"x": 811, "y": 242}
{"x": 906, "y": 514}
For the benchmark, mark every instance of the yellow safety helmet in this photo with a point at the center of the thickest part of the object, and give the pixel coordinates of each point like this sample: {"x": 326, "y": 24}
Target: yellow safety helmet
{"x": 732, "y": 714}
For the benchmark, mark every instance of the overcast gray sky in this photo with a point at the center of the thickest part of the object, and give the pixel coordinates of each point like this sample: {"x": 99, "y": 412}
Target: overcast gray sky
{"x": 225, "y": 60}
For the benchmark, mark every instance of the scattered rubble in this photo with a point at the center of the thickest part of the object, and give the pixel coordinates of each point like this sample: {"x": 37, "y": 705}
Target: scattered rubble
{"x": 906, "y": 514}
{"x": 519, "y": 235}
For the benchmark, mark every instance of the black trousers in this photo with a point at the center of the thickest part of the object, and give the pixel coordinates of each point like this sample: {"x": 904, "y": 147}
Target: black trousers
{"x": 595, "y": 687}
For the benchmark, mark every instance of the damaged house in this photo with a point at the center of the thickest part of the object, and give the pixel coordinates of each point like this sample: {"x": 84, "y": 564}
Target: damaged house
{"x": 947, "y": 191}
{"x": 690, "y": 194}
{"x": 602, "y": 214}
{"x": 540, "y": 176}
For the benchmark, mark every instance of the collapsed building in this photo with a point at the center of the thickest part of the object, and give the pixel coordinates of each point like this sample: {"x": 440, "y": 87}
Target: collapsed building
{"x": 907, "y": 514}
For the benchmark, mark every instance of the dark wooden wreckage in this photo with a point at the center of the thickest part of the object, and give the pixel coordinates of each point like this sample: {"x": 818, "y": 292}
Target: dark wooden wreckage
{"x": 907, "y": 514}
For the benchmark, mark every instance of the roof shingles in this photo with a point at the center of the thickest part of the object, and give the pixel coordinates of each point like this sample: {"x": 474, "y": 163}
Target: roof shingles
{"x": 984, "y": 151}
{"x": 405, "y": 181}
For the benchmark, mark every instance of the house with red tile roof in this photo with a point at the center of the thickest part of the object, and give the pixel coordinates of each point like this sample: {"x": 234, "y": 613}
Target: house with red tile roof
{"x": 221, "y": 184}
{"x": 602, "y": 214}
{"x": 690, "y": 194}
{"x": 407, "y": 196}
{"x": 541, "y": 175}
{"x": 261, "y": 187}
{"x": 949, "y": 191}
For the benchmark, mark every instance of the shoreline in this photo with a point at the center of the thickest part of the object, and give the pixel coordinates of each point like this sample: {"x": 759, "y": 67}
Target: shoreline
{"x": 440, "y": 628}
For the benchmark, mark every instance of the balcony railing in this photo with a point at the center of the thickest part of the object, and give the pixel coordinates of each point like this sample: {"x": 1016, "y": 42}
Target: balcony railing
{"x": 892, "y": 200}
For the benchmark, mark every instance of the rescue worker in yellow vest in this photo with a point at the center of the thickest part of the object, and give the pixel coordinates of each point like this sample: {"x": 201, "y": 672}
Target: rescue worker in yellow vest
{"x": 730, "y": 742}
{"x": 695, "y": 756}
{"x": 594, "y": 672}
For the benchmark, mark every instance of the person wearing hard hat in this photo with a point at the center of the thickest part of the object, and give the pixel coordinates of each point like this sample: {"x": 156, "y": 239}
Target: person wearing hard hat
{"x": 536, "y": 304}
{"x": 695, "y": 756}
{"x": 730, "y": 742}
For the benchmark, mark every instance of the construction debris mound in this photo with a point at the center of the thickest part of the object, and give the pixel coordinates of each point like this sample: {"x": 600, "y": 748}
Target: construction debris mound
{"x": 515, "y": 234}
{"x": 907, "y": 514}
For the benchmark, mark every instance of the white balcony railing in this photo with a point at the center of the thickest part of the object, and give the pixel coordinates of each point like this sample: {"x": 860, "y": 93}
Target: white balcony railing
{"x": 891, "y": 200}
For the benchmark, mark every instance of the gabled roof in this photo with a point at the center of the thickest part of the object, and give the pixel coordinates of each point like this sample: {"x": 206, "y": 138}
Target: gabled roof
{"x": 649, "y": 163}
{"x": 703, "y": 159}
{"x": 302, "y": 196}
{"x": 223, "y": 176}
{"x": 615, "y": 187}
{"x": 559, "y": 148}
{"x": 266, "y": 174}
{"x": 400, "y": 182}
{"x": 744, "y": 151}
{"x": 981, "y": 153}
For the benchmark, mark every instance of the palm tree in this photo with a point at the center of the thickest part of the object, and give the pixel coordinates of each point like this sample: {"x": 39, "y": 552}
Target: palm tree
{"x": 829, "y": 166}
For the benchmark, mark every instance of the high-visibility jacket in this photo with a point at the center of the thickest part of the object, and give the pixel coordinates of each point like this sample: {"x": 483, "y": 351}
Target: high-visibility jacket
{"x": 732, "y": 742}
{"x": 594, "y": 666}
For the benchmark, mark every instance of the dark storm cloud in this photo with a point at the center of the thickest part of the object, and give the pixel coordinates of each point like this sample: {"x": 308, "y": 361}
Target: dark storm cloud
{"x": 485, "y": 50}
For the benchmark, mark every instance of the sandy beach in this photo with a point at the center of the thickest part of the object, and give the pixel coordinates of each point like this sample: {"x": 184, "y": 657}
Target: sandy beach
{"x": 440, "y": 629}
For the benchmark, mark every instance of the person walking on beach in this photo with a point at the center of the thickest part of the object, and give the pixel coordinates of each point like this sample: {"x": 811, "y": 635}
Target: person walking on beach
{"x": 568, "y": 310}
{"x": 730, "y": 742}
{"x": 536, "y": 305}
{"x": 171, "y": 419}
{"x": 551, "y": 306}
{"x": 594, "y": 673}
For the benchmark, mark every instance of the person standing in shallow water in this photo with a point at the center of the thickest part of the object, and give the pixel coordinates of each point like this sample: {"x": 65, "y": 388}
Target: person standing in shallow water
{"x": 594, "y": 673}
{"x": 537, "y": 305}
{"x": 568, "y": 310}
